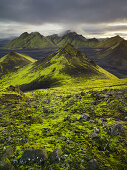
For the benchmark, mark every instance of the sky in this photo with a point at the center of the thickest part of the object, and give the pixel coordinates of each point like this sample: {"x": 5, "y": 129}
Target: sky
{"x": 91, "y": 18}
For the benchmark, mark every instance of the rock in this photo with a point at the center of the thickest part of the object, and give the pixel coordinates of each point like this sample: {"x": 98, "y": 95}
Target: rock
{"x": 93, "y": 164}
{"x": 91, "y": 121}
{"x": 94, "y": 135}
{"x": 84, "y": 117}
{"x": 125, "y": 118}
{"x": 66, "y": 118}
{"x": 7, "y": 166}
{"x": 82, "y": 93}
{"x": 35, "y": 120}
{"x": 14, "y": 163}
{"x": 9, "y": 153}
{"x": 62, "y": 138}
{"x": 105, "y": 125}
{"x": 15, "y": 89}
{"x": 56, "y": 155}
{"x": 96, "y": 130}
{"x": 117, "y": 129}
{"x": 101, "y": 96}
{"x": 37, "y": 156}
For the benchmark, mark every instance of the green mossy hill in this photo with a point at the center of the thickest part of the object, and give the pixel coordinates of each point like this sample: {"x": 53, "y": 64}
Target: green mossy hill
{"x": 66, "y": 66}
{"x": 110, "y": 42}
{"x": 73, "y": 38}
{"x": 13, "y": 61}
{"x": 33, "y": 40}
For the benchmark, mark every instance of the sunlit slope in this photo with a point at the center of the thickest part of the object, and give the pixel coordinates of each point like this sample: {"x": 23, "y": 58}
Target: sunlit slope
{"x": 65, "y": 66}
{"x": 13, "y": 61}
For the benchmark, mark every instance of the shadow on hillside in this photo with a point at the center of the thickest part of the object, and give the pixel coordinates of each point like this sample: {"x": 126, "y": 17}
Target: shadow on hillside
{"x": 40, "y": 83}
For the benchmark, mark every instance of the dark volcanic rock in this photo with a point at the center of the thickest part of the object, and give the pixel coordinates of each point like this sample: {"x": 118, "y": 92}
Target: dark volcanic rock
{"x": 94, "y": 135}
{"x": 8, "y": 153}
{"x": 37, "y": 156}
{"x": 84, "y": 117}
{"x": 82, "y": 93}
{"x": 35, "y": 120}
{"x": 56, "y": 155}
{"x": 117, "y": 129}
{"x": 93, "y": 164}
{"x": 7, "y": 166}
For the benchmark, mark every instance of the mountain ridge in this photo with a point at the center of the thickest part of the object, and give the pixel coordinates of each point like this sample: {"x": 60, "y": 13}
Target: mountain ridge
{"x": 13, "y": 61}
{"x": 67, "y": 65}
{"x": 35, "y": 40}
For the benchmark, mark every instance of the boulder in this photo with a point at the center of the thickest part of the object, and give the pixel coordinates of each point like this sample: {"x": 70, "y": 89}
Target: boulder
{"x": 37, "y": 156}
{"x": 96, "y": 130}
{"x": 94, "y": 135}
{"x": 8, "y": 153}
{"x": 56, "y": 155}
{"x": 84, "y": 117}
{"x": 117, "y": 129}
{"x": 82, "y": 93}
{"x": 93, "y": 164}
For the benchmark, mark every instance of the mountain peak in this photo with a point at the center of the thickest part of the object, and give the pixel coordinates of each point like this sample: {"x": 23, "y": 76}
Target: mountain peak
{"x": 68, "y": 48}
{"x": 71, "y": 34}
{"x": 35, "y": 34}
{"x": 24, "y": 35}
{"x": 117, "y": 37}
{"x": 13, "y": 61}
{"x": 12, "y": 53}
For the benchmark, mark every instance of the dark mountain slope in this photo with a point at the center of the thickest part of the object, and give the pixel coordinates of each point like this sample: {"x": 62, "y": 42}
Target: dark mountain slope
{"x": 117, "y": 55}
{"x": 13, "y": 61}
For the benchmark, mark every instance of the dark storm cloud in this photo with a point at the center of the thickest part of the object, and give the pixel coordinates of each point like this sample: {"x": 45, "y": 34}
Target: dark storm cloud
{"x": 63, "y": 11}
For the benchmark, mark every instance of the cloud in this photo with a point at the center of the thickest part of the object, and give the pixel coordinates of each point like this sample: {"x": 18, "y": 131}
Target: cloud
{"x": 74, "y": 11}
{"x": 88, "y": 17}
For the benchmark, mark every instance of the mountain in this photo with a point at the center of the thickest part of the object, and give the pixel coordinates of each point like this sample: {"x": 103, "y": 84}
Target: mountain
{"x": 110, "y": 42}
{"x": 54, "y": 38}
{"x": 33, "y": 40}
{"x": 116, "y": 54}
{"x": 13, "y": 61}
{"x": 112, "y": 53}
{"x": 78, "y": 125}
{"x": 65, "y": 66}
{"x": 73, "y": 38}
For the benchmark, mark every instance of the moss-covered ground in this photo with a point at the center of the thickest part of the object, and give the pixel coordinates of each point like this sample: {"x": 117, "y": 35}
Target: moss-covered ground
{"x": 52, "y": 118}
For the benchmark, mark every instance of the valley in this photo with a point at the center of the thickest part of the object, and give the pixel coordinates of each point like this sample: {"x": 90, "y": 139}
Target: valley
{"x": 60, "y": 110}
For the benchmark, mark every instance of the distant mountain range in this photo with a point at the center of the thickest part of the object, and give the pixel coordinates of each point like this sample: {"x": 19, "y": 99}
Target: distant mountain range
{"x": 66, "y": 66}
{"x": 110, "y": 53}
{"x": 35, "y": 40}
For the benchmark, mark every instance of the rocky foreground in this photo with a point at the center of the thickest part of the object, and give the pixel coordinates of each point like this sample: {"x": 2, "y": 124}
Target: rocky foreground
{"x": 51, "y": 129}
